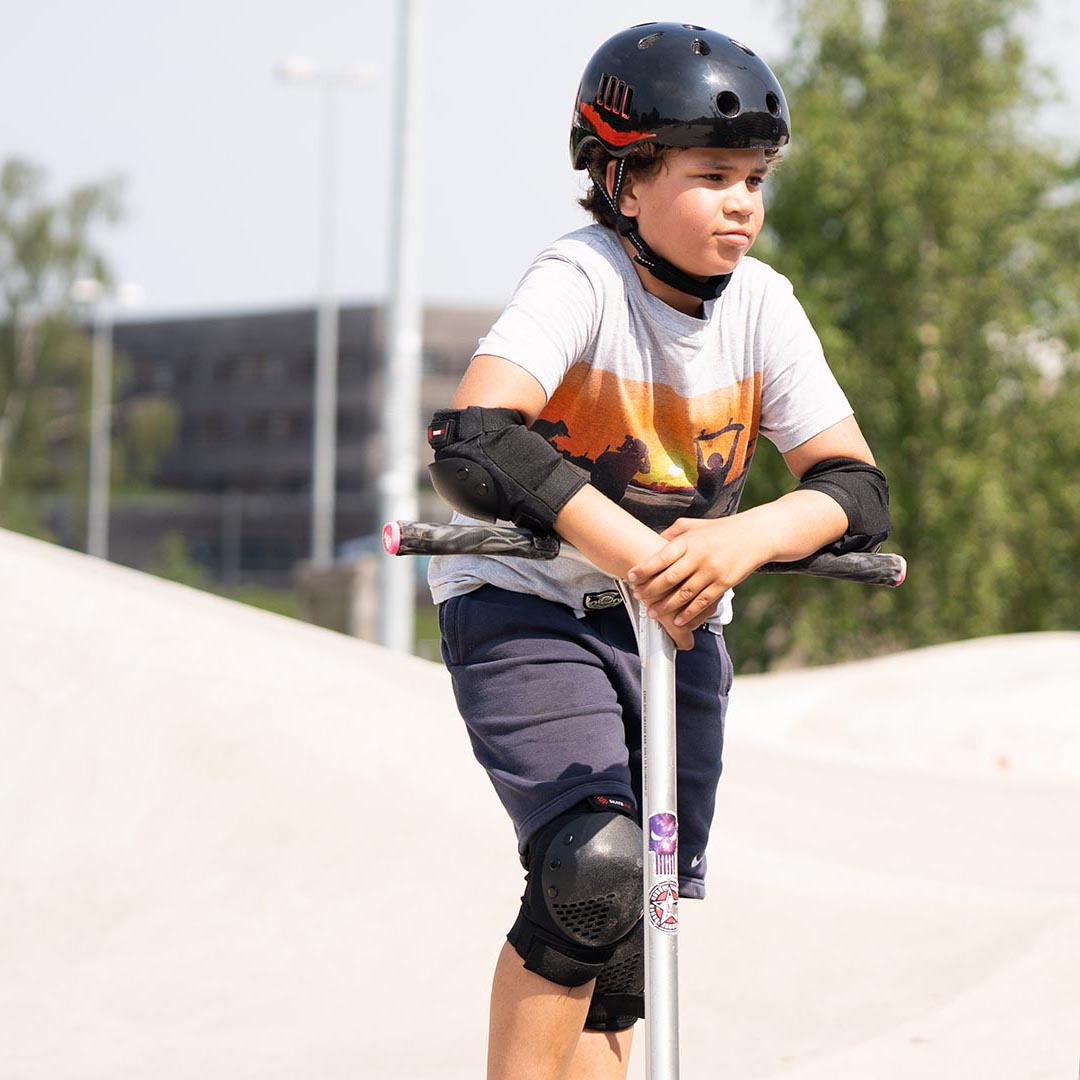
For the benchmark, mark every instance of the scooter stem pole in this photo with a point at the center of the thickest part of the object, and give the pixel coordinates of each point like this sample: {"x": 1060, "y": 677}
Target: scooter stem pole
{"x": 660, "y": 825}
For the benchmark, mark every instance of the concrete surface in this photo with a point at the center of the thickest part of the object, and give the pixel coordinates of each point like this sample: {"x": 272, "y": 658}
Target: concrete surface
{"x": 236, "y": 846}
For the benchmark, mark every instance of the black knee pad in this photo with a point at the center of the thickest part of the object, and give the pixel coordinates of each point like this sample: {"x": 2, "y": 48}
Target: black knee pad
{"x": 618, "y": 1001}
{"x": 582, "y": 892}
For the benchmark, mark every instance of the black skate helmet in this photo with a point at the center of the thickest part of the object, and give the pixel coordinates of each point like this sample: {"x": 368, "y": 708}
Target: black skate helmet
{"x": 677, "y": 85}
{"x": 674, "y": 84}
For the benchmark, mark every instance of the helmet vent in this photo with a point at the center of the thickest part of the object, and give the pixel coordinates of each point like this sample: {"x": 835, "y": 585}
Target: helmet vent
{"x": 772, "y": 103}
{"x": 614, "y": 95}
{"x": 728, "y": 103}
{"x": 651, "y": 39}
{"x": 700, "y": 47}
{"x": 691, "y": 26}
{"x": 740, "y": 45}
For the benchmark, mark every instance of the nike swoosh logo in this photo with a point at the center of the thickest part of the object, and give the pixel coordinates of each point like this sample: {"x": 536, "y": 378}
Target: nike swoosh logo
{"x": 696, "y": 860}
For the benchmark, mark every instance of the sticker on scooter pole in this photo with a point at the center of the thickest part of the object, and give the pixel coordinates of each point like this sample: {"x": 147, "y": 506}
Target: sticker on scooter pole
{"x": 664, "y": 895}
{"x": 664, "y": 844}
{"x": 664, "y": 907}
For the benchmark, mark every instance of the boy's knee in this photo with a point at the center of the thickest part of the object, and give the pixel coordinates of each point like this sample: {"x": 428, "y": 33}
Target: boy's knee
{"x": 582, "y": 894}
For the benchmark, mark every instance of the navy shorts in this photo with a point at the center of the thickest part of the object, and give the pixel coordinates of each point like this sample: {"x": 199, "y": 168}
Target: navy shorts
{"x": 553, "y": 707}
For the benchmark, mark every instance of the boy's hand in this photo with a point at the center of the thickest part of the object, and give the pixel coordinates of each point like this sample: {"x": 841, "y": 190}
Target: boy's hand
{"x": 684, "y": 581}
{"x": 683, "y": 636}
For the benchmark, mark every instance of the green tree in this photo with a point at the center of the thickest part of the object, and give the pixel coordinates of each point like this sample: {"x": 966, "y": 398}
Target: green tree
{"x": 176, "y": 564}
{"x": 933, "y": 234}
{"x": 45, "y": 245}
{"x": 149, "y": 426}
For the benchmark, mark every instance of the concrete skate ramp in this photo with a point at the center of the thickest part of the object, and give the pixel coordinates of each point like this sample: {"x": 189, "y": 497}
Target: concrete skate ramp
{"x": 235, "y": 846}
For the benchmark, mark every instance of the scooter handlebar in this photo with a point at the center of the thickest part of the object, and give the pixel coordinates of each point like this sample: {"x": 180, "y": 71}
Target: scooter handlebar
{"x": 429, "y": 538}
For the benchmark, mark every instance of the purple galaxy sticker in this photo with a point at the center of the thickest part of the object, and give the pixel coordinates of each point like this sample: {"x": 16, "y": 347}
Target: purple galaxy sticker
{"x": 664, "y": 843}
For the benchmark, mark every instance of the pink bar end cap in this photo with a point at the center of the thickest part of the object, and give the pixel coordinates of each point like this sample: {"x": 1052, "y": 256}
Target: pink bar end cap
{"x": 391, "y": 537}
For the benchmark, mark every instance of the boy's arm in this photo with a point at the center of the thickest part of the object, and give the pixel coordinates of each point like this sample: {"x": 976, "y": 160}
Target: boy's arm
{"x": 494, "y": 383}
{"x": 703, "y": 558}
{"x": 612, "y": 539}
{"x": 607, "y": 535}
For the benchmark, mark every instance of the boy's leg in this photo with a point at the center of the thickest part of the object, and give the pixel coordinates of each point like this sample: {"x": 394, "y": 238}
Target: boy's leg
{"x": 535, "y": 1024}
{"x": 590, "y": 860}
{"x": 536, "y": 1030}
{"x": 535, "y": 686}
{"x": 602, "y": 1055}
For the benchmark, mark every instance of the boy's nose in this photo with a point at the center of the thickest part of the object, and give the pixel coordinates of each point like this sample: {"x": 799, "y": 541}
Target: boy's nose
{"x": 739, "y": 200}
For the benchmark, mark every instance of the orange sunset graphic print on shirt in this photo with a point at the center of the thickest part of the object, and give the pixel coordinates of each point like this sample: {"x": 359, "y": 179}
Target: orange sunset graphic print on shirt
{"x": 658, "y": 455}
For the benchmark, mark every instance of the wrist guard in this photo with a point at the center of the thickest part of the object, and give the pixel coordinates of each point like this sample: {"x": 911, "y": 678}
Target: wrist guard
{"x": 863, "y": 494}
{"x": 490, "y": 466}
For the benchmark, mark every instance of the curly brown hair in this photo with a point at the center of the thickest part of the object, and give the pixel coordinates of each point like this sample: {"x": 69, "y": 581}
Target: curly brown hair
{"x": 645, "y": 160}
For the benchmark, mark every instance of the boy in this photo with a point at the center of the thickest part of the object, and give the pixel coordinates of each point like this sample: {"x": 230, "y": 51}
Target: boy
{"x": 617, "y": 400}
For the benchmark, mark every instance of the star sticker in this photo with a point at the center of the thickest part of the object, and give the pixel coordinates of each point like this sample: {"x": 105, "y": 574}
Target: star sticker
{"x": 666, "y": 906}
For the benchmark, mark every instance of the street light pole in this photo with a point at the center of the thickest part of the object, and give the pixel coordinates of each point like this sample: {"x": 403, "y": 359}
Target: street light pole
{"x": 324, "y": 441}
{"x": 97, "y": 531}
{"x": 92, "y": 294}
{"x": 324, "y": 468}
{"x": 401, "y": 368}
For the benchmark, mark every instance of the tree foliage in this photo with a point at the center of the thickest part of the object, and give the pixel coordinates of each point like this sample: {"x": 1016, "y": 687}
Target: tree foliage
{"x": 45, "y": 246}
{"x": 933, "y": 233}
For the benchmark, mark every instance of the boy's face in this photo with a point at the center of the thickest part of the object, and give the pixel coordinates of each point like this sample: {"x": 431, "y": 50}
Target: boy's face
{"x": 703, "y": 210}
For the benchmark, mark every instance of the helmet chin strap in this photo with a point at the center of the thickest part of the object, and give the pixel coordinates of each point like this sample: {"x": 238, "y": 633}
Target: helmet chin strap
{"x": 659, "y": 267}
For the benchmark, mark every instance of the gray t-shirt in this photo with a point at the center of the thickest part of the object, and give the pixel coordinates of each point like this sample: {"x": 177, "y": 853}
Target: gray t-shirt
{"x": 660, "y": 410}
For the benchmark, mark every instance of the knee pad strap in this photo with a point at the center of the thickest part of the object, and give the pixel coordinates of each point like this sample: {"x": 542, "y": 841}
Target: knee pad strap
{"x": 618, "y": 1001}
{"x": 558, "y": 961}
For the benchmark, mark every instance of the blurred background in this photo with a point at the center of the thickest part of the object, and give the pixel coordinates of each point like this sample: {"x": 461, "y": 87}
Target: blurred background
{"x": 181, "y": 190}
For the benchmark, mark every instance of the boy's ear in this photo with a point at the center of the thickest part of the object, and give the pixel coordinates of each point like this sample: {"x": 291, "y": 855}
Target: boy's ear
{"x": 609, "y": 176}
{"x": 627, "y": 197}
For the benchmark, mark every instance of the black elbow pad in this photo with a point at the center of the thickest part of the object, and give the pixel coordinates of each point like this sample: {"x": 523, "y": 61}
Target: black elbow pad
{"x": 489, "y": 465}
{"x": 863, "y": 494}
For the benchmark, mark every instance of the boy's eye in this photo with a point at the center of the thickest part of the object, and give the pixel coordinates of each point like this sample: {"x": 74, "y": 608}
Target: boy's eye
{"x": 722, "y": 178}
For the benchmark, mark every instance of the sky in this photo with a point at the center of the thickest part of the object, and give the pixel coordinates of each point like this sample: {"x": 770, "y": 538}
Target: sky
{"x": 220, "y": 159}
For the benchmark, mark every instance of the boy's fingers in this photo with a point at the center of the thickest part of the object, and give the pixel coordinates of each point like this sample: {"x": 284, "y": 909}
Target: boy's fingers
{"x": 698, "y": 611}
{"x": 687, "y": 603}
{"x": 687, "y": 525}
{"x": 681, "y": 635}
{"x": 662, "y": 584}
{"x": 677, "y": 528}
{"x": 656, "y": 563}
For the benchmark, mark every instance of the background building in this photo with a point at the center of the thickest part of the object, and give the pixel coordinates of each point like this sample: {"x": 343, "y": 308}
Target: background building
{"x": 236, "y": 484}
